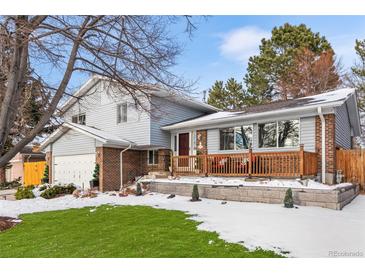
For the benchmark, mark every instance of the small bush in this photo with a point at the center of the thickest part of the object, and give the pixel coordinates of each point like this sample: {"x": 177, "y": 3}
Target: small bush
{"x": 138, "y": 190}
{"x": 24, "y": 193}
{"x": 195, "y": 194}
{"x": 9, "y": 185}
{"x": 43, "y": 187}
{"x": 288, "y": 200}
{"x": 58, "y": 190}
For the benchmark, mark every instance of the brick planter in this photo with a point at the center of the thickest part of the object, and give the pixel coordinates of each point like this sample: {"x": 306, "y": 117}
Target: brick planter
{"x": 333, "y": 199}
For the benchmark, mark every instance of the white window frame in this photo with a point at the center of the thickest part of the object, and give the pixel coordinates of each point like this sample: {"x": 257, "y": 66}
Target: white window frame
{"x": 77, "y": 116}
{"x": 120, "y": 118}
{"x": 154, "y": 151}
{"x": 277, "y": 134}
{"x": 234, "y": 138}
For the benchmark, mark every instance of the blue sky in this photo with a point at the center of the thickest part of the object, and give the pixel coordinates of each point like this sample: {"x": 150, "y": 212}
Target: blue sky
{"x": 221, "y": 45}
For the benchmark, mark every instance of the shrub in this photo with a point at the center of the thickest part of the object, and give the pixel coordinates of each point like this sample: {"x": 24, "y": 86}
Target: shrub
{"x": 95, "y": 180}
{"x": 11, "y": 184}
{"x": 195, "y": 194}
{"x": 24, "y": 193}
{"x": 58, "y": 190}
{"x": 138, "y": 190}
{"x": 43, "y": 187}
{"x": 288, "y": 200}
{"x": 45, "y": 178}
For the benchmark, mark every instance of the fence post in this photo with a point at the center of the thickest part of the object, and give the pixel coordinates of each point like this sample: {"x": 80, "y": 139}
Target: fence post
{"x": 301, "y": 160}
{"x": 362, "y": 163}
{"x": 249, "y": 162}
{"x": 206, "y": 164}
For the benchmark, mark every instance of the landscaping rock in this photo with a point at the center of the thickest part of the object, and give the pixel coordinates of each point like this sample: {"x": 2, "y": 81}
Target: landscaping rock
{"x": 171, "y": 196}
{"x": 76, "y": 193}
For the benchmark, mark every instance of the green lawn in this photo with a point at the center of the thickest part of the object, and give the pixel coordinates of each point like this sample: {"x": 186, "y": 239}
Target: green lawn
{"x": 123, "y": 231}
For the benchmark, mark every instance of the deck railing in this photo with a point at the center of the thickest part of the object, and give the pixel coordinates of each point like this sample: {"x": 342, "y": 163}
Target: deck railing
{"x": 261, "y": 164}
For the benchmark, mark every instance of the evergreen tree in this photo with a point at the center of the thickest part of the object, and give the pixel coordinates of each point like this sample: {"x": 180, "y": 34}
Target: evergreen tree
{"x": 45, "y": 178}
{"x": 96, "y": 173}
{"x": 276, "y": 57}
{"x": 138, "y": 190}
{"x": 357, "y": 77}
{"x": 228, "y": 96}
{"x": 288, "y": 200}
{"x": 218, "y": 95}
{"x": 195, "y": 194}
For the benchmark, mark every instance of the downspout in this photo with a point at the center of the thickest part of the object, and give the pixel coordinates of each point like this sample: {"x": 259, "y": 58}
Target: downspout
{"x": 323, "y": 138}
{"x": 121, "y": 164}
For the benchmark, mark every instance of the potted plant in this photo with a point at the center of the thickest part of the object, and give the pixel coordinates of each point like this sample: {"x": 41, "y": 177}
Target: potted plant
{"x": 94, "y": 182}
{"x": 45, "y": 179}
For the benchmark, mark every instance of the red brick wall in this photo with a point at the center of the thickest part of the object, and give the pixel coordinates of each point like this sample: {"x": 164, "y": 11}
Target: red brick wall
{"x": 330, "y": 145}
{"x": 49, "y": 163}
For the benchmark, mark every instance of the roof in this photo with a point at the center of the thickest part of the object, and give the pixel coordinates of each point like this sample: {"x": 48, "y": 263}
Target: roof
{"x": 329, "y": 99}
{"x": 102, "y": 136}
{"x": 179, "y": 98}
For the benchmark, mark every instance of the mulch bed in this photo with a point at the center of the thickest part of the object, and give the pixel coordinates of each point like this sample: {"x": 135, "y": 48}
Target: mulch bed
{"x": 7, "y": 222}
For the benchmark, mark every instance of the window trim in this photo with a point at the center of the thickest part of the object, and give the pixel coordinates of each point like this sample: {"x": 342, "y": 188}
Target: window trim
{"x": 234, "y": 137}
{"x": 77, "y": 116}
{"x": 277, "y": 134}
{"x": 154, "y": 151}
{"x": 120, "y": 109}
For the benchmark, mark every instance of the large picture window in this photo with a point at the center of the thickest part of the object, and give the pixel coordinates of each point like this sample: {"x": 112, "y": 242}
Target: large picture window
{"x": 279, "y": 134}
{"x": 235, "y": 138}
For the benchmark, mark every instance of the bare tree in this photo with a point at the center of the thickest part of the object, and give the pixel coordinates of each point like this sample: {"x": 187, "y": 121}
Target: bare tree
{"x": 135, "y": 52}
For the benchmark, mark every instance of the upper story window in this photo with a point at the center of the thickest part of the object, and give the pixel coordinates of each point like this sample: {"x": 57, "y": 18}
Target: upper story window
{"x": 79, "y": 119}
{"x": 279, "y": 134}
{"x": 122, "y": 112}
{"x": 235, "y": 138}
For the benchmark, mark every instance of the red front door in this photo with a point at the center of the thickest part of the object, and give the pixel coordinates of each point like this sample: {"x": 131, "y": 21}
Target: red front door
{"x": 184, "y": 149}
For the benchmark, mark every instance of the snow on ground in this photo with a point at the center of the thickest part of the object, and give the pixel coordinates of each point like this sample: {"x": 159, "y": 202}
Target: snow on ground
{"x": 304, "y": 232}
{"x": 306, "y": 184}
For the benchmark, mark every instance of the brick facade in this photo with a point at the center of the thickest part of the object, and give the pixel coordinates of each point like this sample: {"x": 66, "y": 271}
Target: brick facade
{"x": 201, "y": 142}
{"x": 49, "y": 163}
{"x": 134, "y": 164}
{"x": 330, "y": 147}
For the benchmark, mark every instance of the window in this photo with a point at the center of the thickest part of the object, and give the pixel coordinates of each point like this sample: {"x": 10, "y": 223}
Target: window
{"x": 152, "y": 157}
{"x": 226, "y": 137}
{"x": 243, "y": 137}
{"x": 279, "y": 134}
{"x": 79, "y": 119}
{"x": 288, "y": 133}
{"x": 236, "y": 138}
{"x": 267, "y": 135}
{"x": 122, "y": 113}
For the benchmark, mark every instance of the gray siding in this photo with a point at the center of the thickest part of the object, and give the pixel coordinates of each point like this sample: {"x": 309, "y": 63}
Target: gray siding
{"x": 100, "y": 107}
{"x": 343, "y": 128}
{"x": 73, "y": 143}
{"x": 166, "y": 112}
{"x": 307, "y": 137}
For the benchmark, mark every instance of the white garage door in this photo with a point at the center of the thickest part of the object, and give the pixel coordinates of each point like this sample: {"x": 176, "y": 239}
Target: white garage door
{"x": 76, "y": 169}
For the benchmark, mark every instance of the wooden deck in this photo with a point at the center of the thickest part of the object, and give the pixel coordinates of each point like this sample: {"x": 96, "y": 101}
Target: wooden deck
{"x": 259, "y": 164}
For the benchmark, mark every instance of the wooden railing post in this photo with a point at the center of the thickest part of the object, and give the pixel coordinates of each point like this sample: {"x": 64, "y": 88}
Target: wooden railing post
{"x": 206, "y": 164}
{"x": 301, "y": 160}
{"x": 249, "y": 162}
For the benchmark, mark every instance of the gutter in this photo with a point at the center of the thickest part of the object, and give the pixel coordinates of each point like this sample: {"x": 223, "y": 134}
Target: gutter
{"x": 323, "y": 139}
{"x": 121, "y": 164}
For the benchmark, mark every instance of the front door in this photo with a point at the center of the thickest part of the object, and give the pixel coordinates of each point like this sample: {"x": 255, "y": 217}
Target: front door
{"x": 184, "y": 149}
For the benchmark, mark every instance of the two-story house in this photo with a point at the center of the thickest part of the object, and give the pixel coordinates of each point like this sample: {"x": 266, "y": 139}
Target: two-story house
{"x": 103, "y": 125}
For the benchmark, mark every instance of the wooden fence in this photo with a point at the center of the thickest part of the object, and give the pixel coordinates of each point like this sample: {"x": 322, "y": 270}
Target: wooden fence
{"x": 263, "y": 164}
{"x": 352, "y": 164}
{"x": 33, "y": 172}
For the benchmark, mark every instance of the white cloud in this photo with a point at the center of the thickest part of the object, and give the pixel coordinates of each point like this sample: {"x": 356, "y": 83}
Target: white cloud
{"x": 240, "y": 44}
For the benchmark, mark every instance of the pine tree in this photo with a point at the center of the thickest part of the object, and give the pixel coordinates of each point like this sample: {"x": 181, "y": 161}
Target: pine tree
{"x": 96, "y": 173}
{"x": 276, "y": 57}
{"x": 45, "y": 178}
{"x": 195, "y": 194}
{"x": 228, "y": 96}
{"x": 218, "y": 95}
{"x": 288, "y": 200}
{"x": 138, "y": 190}
{"x": 357, "y": 77}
